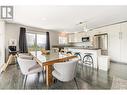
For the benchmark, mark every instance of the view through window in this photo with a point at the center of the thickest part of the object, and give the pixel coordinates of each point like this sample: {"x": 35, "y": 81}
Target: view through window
{"x": 35, "y": 42}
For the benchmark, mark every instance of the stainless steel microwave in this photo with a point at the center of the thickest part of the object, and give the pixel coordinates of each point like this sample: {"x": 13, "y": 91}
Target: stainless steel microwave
{"x": 85, "y": 39}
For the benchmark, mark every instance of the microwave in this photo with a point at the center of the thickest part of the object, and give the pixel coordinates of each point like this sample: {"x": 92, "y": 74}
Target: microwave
{"x": 85, "y": 39}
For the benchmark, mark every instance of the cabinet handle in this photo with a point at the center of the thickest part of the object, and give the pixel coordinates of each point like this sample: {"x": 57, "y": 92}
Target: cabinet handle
{"x": 120, "y": 35}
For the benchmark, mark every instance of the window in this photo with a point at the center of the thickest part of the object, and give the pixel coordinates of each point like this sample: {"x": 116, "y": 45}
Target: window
{"x": 41, "y": 41}
{"x": 62, "y": 40}
{"x": 35, "y": 42}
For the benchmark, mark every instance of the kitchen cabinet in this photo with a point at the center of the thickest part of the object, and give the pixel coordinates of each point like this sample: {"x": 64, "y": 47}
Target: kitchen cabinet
{"x": 79, "y": 36}
{"x": 114, "y": 42}
{"x": 76, "y": 37}
{"x": 123, "y": 42}
{"x": 104, "y": 63}
{"x": 117, "y": 42}
{"x": 71, "y": 37}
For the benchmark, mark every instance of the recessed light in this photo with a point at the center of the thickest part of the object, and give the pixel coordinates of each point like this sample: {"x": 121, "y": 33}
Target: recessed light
{"x": 43, "y": 18}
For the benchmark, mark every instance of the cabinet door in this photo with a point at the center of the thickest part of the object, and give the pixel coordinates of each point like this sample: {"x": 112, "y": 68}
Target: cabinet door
{"x": 123, "y": 44}
{"x": 71, "y": 37}
{"x": 78, "y": 36}
{"x": 114, "y": 42}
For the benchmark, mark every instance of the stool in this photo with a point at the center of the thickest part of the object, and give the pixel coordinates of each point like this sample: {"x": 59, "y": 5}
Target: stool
{"x": 78, "y": 55}
{"x": 80, "y": 60}
{"x": 88, "y": 60}
{"x": 69, "y": 52}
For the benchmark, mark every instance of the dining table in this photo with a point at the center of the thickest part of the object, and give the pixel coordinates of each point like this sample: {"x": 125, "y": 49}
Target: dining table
{"x": 47, "y": 60}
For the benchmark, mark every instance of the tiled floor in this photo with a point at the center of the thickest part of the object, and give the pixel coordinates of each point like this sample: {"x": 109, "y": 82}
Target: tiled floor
{"x": 86, "y": 79}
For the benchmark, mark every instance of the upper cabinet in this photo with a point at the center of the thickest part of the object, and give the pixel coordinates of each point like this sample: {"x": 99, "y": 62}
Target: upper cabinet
{"x": 75, "y": 37}
{"x": 117, "y": 38}
{"x": 71, "y": 37}
{"x": 114, "y": 42}
{"x": 123, "y": 39}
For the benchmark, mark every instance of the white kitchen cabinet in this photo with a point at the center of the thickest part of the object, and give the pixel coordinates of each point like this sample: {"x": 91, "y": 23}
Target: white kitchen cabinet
{"x": 104, "y": 62}
{"x": 117, "y": 42}
{"x": 76, "y": 37}
{"x": 123, "y": 43}
{"x": 79, "y": 36}
{"x": 114, "y": 42}
{"x": 71, "y": 37}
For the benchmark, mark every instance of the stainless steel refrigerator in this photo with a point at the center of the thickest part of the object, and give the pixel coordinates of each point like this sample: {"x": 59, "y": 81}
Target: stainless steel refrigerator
{"x": 101, "y": 41}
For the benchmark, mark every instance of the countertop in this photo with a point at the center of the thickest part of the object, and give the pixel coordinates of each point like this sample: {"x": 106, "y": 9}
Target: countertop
{"x": 75, "y": 47}
{"x": 84, "y": 48}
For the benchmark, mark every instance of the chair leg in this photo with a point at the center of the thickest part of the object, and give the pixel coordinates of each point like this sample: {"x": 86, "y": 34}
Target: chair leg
{"x": 76, "y": 83}
{"x": 43, "y": 75}
{"x": 24, "y": 84}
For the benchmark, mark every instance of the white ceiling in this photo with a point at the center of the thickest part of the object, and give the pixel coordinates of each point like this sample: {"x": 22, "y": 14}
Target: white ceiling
{"x": 66, "y": 18}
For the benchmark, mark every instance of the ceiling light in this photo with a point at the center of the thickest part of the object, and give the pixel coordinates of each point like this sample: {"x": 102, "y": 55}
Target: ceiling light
{"x": 44, "y": 19}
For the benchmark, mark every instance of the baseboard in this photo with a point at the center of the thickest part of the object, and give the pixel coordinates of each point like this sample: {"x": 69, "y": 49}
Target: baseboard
{"x": 116, "y": 62}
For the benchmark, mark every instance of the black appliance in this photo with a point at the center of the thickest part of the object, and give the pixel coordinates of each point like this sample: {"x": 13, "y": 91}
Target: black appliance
{"x": 85, "y": 39}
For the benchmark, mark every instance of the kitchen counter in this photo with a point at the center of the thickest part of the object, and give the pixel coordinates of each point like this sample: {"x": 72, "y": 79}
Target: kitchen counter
{"x": 83, "y": 48}
{"x": 96, "y": 52}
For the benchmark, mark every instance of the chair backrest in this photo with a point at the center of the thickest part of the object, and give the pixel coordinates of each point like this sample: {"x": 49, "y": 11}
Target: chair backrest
{"x": 78, "y": 55}
{"x": 25, "y": 64}
{"x": 66, "y": 69}
{"x": 25, "y": 56}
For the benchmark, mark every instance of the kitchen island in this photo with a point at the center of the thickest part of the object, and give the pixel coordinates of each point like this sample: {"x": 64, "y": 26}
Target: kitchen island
{"x": 94, "y": 51}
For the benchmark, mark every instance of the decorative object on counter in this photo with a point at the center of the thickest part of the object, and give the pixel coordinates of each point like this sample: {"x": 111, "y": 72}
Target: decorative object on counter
{"x": 63, "y": 51}
{"x": 43, "y": 51}
{"x": 12, "y": 42}
{"x": 55, "y": 50}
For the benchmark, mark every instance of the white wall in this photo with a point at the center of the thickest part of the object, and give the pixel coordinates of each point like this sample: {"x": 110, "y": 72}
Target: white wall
{"x": 13, "y": 30}
{"x": 2, "y": 42}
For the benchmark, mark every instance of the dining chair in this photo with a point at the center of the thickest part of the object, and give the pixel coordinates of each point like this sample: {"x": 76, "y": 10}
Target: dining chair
{"x": 65, "y": 71}
{"x": 29, "y": 67}
{"x": 25, "y": 56}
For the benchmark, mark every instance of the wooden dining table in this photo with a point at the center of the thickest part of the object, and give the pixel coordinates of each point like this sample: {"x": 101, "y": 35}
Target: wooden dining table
{"x": 47, "y": 60}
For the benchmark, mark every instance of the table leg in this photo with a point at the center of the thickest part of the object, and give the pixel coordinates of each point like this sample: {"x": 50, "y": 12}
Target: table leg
{"x": 49, "y": 77}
